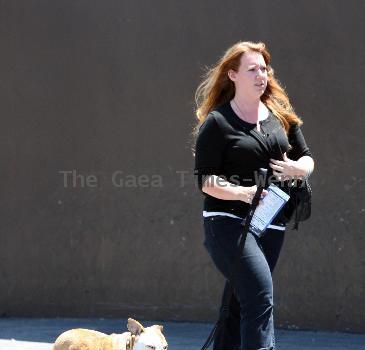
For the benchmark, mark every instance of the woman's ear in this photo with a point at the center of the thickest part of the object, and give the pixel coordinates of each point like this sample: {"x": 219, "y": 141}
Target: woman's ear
{"x": 232, "y": 74}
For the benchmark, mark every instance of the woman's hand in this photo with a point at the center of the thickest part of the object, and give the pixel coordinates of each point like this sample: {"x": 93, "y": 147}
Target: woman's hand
{"x": 287, "y": 169}
{"x": 247, "y": 194}
{"x": 220, "y": 188}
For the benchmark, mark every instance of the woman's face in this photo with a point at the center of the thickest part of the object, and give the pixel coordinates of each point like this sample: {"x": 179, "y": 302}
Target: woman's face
{"x": 251, "y": 77}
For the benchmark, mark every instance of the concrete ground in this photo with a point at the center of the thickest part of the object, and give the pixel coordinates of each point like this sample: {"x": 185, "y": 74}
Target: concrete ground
{"x": 39, "y": 333}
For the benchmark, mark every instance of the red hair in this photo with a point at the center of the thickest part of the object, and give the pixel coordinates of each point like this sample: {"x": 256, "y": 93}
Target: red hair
{"x": 217, "y": 89}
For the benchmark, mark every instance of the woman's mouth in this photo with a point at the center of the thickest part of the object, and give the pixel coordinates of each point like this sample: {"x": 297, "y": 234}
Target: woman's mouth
{"x": 261, "y": 84}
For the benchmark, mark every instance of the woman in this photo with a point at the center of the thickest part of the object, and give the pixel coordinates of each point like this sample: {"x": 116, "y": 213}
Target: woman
{"x": 246, "y": 122}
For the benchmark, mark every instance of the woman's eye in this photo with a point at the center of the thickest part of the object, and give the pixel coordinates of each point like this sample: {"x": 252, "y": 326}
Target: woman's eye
{"x": 151, "y": 347}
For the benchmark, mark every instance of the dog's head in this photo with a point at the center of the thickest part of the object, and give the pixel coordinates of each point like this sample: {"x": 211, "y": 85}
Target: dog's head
{"x": 149, "y": 338}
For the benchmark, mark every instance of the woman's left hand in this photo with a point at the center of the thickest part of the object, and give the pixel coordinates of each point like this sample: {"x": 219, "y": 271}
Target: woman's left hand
{"x": 287, "y": 169}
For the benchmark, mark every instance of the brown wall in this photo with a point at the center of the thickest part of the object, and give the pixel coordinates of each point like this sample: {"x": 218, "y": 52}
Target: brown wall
{"x": 105, "y": 86}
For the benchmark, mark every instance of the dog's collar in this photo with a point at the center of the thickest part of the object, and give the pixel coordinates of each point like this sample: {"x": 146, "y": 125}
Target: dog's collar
{"x": 130, "y": 342}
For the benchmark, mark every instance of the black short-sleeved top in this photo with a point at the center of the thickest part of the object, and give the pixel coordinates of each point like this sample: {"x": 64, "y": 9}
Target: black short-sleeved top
{"x": 233, "y": 149}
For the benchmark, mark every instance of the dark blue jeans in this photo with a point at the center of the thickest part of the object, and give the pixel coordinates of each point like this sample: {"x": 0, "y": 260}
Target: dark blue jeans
{"x": 250, "y": 324}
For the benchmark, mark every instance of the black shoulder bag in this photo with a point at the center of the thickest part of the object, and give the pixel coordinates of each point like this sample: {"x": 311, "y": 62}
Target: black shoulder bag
{"x": 298, "y": 207}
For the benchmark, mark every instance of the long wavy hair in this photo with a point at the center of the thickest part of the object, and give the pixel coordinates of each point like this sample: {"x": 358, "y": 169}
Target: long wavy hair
{"x": 217, "y": 89}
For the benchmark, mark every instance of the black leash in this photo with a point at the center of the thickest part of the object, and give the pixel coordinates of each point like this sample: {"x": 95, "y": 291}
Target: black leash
{"x": 241, "y": 243}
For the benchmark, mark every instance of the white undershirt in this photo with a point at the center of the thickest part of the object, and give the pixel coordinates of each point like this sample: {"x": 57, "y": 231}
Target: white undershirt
{"x": 207, "y": 214}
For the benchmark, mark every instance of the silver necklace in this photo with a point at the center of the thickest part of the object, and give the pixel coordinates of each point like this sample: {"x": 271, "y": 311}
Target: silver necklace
{"x": 242, "y": 114}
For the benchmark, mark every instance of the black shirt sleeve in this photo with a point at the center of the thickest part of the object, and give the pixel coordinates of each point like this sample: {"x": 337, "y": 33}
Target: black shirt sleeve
{"x": 208, "y": 150}
{"x": 298, "y": 144}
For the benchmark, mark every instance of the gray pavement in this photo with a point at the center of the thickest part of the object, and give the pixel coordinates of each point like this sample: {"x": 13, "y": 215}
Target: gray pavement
{"x": 39, "y": 333}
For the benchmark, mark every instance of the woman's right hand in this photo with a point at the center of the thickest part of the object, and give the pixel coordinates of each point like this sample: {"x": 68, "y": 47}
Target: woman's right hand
{"x": 222, "y": 189}
{"x": 247, "y": 194}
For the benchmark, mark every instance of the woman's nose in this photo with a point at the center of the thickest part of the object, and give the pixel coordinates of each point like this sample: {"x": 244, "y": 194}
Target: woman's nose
{"x": 260, "y": 73}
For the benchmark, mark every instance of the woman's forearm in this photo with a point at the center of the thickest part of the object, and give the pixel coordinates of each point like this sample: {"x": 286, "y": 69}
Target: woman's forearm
{"x": 220, "y": 188}
{"x": 306, "y": 164}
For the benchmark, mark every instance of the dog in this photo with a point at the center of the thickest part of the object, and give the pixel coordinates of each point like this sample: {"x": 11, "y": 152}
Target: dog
{"x": 138, "y": 338}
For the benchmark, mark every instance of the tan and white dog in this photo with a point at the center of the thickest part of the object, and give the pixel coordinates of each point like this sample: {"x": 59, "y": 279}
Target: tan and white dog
{"x": 138, "y": 338}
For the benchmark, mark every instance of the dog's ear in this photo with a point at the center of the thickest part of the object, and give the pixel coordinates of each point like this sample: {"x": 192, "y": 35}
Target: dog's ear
{"x": 158, "y": 327}
{"x": 134, "y": 327}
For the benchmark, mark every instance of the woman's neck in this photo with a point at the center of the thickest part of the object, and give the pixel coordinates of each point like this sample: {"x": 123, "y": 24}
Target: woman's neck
{"x": 248, "y": 109}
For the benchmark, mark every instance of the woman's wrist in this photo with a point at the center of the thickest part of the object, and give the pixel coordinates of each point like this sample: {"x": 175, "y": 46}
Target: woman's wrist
{"x": 304, "y": 169}
{"x": 244, "y": 194}
{"x": 302, "y": 172}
